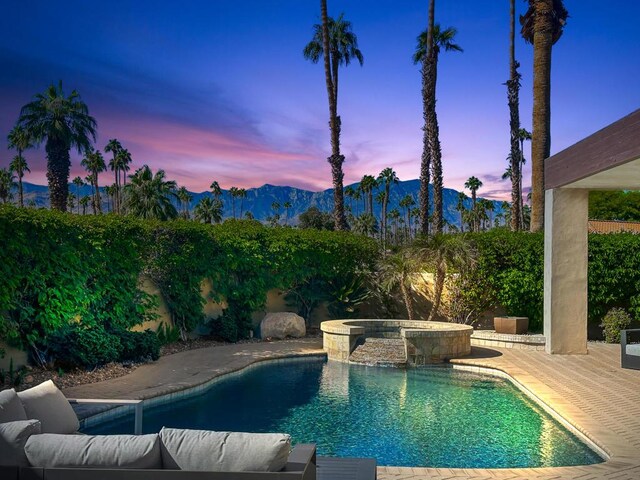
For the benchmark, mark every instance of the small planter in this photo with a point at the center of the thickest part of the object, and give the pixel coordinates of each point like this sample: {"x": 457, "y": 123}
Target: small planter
{"x": 511, "y": 325}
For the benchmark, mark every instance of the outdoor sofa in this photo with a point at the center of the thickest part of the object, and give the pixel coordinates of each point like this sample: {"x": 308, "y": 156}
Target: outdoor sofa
{"x": 630, "y": 348}
{"x": 39, "y": 439}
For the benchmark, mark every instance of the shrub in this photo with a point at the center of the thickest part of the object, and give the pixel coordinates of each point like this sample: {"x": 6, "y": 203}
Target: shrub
{"x": 139, "y": 346}
{"x": 510, "y": 273}
{"x": 59, "y": 269}
{"x": 167, "y": 334}
{"x": 614, "y": 321}
{"x": 77, "y": 345}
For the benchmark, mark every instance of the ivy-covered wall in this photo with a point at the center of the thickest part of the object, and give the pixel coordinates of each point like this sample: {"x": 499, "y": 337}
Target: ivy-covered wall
{"x": 59, "y": 269}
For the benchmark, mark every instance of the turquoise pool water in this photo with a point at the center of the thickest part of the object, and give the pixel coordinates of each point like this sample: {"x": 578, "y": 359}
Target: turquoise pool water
{"x": 435, "y": 417}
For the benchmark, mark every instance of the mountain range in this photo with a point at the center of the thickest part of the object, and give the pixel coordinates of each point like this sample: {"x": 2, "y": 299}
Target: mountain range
{"x": 259, "y": 200}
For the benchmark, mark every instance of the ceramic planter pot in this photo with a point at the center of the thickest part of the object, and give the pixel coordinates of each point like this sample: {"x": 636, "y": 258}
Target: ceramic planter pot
{"x": 511, "y": 325}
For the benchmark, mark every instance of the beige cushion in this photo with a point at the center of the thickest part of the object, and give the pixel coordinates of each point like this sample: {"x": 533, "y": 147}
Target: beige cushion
{"x": 47, "y": 404}
{"x": 13, "y": 437}
{"x": 11, "y": 409}
{"x": 202, "y": 450}
{"x": 633, "y": 349}
{"x": 94, "y": 451}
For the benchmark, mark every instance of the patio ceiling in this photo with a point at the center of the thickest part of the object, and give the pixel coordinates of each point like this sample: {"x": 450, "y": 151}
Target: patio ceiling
{"x": 607, "y": 160}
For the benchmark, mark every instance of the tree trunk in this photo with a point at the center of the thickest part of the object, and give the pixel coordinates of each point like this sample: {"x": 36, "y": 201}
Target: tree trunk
{"x": 541, "y": 139}
{"x": 437, "y": 291}
{"x": 425, "y": 163}
{"x": 20, "y": 190}
{"x": 58, "y": 164}
{"x": 335, "y": 160}
{"x": 513, "y": 88}
{"x": 521, "y": 199}
{"x": 98, "y": 199}
{"x": 407, "y": 300}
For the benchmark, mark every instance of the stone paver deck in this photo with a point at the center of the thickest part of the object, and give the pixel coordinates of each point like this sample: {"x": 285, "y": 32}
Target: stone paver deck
{"x": 590, "y": 391}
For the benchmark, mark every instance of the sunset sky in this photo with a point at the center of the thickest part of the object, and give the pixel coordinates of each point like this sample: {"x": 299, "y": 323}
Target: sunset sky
{"x": 219, "y": 90}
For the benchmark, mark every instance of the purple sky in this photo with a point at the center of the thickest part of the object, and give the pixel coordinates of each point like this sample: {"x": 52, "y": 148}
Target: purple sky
{"x": 219, "y": 90}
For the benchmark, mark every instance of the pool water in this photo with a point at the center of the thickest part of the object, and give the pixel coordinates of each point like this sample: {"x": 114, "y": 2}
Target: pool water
{"x": 436, "y": 417}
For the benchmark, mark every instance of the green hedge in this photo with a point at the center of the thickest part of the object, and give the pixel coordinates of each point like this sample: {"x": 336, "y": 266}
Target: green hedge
{"x": 510, "y": 273}
{"x": 58, "y": 269}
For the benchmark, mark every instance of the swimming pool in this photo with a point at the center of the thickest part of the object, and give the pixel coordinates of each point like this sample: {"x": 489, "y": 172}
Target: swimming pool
{"x": 436, "y": 417}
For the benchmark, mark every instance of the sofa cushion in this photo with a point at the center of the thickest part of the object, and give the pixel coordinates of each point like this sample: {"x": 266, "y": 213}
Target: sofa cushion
{"x": 47, "y": 404}
{"x": 94, "y": 451}
{"x": 633, "y": 349}
{"x": 13, "y": 437}
{"x": 203, "y": 450}
{"x": 11, "y": 409}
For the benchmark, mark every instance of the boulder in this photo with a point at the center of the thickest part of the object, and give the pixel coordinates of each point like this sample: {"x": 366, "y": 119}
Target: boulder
{"x": 281, "y": 325}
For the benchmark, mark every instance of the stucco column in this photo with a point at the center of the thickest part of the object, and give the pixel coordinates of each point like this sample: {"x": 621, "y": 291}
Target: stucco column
{"x": 565, "y": 270}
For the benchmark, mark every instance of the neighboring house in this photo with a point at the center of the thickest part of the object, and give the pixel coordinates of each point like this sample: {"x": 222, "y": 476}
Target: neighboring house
{"x": 613, "y": 226}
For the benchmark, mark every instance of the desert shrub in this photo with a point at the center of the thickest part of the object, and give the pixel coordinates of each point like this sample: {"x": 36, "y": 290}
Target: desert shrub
{"x": 139, "y": 346}
{"x": 613, "y": 322}
{"x": 77, "y": 345}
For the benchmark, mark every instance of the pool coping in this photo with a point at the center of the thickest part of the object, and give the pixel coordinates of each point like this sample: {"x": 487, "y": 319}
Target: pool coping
{"x": 612, "y": 462}
{"x": 112, "y": 413}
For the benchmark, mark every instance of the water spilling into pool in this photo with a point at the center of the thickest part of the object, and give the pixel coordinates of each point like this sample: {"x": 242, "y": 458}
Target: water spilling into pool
{"x": 435, "y": 417}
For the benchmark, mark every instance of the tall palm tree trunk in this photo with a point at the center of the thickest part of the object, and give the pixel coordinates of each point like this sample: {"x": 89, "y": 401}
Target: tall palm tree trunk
{"x": 98, "y": 199}
{"x": 336, "y": 159}
{"x": 521, "y": 198}
{"x": 541, "y": 138}
{"x": 407, "y": 300}
{"x": 58, "y": 165}
{"x": 513, "y": 87}
{"x": 425, "y": 163}
{"x": 20, "y": 189}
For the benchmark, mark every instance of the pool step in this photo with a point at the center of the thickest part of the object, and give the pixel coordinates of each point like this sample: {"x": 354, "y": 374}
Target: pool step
{"x": 381, "y": 352}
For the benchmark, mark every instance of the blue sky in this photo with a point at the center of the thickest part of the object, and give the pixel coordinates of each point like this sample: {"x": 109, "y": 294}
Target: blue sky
{"x": 219, "y": 89}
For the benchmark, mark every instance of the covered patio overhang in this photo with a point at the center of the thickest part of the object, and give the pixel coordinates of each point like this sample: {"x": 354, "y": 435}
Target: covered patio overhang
{"x": 607, "y": 160}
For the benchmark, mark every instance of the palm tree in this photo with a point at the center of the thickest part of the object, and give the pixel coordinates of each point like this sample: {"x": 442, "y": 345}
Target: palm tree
{"x": 444, "y": 253}
{"x": 335, "y": 41}
{"x": 461, "y": 208}
{"x": 65, "y": 123}
{"x": 513, "y": 94}
{"x": 84, "y": 201}
{"x": 78, "y": 182}
{"x": 7, "y": 181}
{"x": 110, "y": 190}
{"x": 18, "y": 166}
{"x": 20, "y": 140}
{"x": 350, "y": 192}
{"x": 208, "y": 210}
{"x": 216, "y": 191}
{"x": 366, "y": 224}
{"x": 407, "y": 202}
{"x": 149, "y": 195}
{"x": 430, "y": 43}
{"x": 367, "y": 185}
{"x": 542, "y": 26}
{"x": 71, "y": 202}
{"x": 523, "y": 134}
{"x": 184, "y": 197}
{"x": 286, "y": 205}
{"x": 357, "y": 195}
{"x": 394, "y": 214}
{"x": 233, "y": 191}
{"x": 386, "y": 178}
{"x": 115, "y": 147}
{"x": 395, "y": 271}
{"x": 473, "y": 184}
{"x": 93, "y": 163}
{"x": 242, "y": 194}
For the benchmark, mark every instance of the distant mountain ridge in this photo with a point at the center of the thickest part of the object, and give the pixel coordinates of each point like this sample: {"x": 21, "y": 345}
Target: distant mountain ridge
{"x": 260, "y": 199}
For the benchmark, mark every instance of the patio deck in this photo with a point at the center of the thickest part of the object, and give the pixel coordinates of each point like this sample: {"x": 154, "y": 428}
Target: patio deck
{"x": 590, "y": 391}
